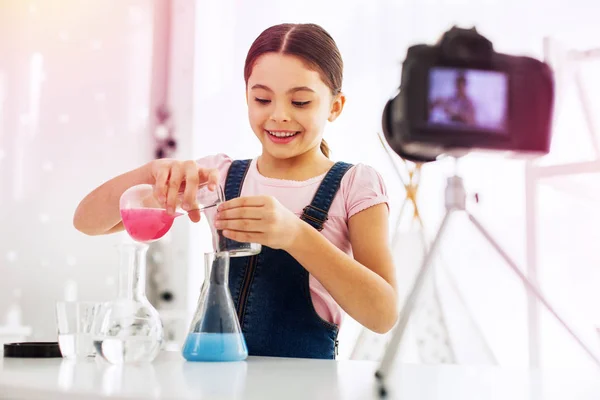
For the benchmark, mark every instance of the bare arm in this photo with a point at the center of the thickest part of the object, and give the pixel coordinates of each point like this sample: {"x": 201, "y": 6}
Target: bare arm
{"x": 365, "y": 287}
{"x": 98, "y": 213}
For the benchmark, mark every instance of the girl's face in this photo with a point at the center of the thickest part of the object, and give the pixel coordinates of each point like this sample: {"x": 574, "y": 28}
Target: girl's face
{"x": 288, "y": 105}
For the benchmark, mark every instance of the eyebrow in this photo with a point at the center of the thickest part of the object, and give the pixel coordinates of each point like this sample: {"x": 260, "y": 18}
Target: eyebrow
{"x": 292, "y": 90}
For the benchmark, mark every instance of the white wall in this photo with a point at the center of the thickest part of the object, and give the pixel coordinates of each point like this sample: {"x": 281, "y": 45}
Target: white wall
{"x": 74, "y": 112}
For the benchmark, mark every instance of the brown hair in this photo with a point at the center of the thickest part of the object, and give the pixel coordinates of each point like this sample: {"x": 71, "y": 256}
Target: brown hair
{"x": 309, "y": 42}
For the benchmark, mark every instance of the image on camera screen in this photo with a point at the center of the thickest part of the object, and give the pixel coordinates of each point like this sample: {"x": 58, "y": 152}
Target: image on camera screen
{"x": 468, "y": 99}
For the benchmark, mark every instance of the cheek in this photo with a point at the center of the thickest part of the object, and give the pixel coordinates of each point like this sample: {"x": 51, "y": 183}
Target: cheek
{"x": 256, "y": 115}
{"x": 314, "y": 120}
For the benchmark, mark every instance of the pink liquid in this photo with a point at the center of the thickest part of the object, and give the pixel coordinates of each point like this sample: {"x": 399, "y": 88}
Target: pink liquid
{"x": 147, "y": 224}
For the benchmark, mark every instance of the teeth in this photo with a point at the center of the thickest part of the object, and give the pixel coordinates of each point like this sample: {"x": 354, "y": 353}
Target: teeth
{"x": 282, "y": 134}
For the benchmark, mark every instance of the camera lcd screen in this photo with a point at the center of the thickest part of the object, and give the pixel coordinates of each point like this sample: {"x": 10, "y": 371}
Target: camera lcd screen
{"x": 469, "y": 99}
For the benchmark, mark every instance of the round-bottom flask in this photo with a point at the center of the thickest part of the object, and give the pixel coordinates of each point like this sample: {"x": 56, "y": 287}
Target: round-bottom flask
{"x": 129, "y": 329}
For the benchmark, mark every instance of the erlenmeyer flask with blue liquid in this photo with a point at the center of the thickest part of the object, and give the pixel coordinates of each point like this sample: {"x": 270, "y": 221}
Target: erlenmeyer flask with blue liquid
{"x": 215, "y": 333}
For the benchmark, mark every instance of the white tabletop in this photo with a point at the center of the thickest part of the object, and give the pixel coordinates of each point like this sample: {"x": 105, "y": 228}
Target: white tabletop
{"x": 171, "y": 377}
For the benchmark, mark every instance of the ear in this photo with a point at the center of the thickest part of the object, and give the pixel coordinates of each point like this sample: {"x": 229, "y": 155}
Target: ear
{"x": 336, "y": 107}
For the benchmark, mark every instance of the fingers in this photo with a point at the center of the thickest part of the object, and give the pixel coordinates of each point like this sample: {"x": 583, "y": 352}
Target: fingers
{"x": 191, "y": 186}
{"x": 177, "y": 182}
{"x": 210, "y": 176}
{"x": 241, "y": 225}
{"x": 194, "y": 215}
{"x": 175, "y": 179}
{"x": 245, "y": 201}
{"x": 241, "y": 213}
{"x": 160, "y": 185}
{"x": 213, "y": 179}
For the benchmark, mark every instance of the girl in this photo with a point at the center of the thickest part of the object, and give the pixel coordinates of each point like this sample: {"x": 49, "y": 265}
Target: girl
{"x": 322, "y": 225}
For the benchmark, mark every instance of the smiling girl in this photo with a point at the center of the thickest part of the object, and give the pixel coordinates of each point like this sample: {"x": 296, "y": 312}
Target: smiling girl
{"x": 322, "y": 225}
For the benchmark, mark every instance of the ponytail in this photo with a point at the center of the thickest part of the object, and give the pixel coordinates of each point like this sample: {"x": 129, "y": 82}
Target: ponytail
{"x": 325, "y": 148}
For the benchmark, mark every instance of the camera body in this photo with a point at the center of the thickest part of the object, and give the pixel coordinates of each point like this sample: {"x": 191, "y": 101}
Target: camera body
{"x": 460, "y": 95}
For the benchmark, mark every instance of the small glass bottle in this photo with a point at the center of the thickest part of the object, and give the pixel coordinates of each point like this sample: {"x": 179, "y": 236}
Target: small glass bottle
{"x": 215, "y": 333}
{"x": 129, "y": 329}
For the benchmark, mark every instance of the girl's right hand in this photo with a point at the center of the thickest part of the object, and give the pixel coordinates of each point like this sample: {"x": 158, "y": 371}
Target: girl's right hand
{"x": 172, "y": 177}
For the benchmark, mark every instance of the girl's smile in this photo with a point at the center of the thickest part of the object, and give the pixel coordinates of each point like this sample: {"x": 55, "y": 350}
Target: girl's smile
{"x": 282, "y": 137}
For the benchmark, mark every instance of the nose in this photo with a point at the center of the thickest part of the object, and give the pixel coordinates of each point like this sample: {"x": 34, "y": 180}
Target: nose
{"x": 280, "y": 113}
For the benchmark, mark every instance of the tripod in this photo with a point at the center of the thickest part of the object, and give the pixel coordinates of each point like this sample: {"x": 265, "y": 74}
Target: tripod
{"x": 455, "y": 200}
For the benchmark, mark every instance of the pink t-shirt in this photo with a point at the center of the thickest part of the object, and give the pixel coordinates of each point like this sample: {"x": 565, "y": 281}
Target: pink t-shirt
{"x": 361, "y": 188}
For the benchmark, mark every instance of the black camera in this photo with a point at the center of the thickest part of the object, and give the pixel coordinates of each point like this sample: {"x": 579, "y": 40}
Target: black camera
{"x": 460, "y": 95}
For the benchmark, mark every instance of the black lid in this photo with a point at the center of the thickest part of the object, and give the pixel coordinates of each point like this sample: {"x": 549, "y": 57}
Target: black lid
{"x": 32, "y": 350}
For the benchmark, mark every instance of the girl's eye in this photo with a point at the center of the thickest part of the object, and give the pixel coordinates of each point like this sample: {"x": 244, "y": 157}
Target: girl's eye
{"x": 295, "y": 103}
{"x": 300, "y": 103}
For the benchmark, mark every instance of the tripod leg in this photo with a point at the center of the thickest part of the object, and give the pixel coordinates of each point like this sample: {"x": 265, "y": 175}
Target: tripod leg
{"x": 398, "y": 221}
{"x": 391, "y": 350}
{"x": 531, "y": 287}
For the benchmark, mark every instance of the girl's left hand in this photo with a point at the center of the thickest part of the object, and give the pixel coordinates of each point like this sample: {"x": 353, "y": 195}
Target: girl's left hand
{"x": 258, "y": 219}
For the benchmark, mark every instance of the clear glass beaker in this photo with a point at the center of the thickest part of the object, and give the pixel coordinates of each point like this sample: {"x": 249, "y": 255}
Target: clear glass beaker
{"x": 215, "y": 333}
{"x": 129, "y": 329}
{"x": 74, "y": 322}
{"x": 222, "y": 244}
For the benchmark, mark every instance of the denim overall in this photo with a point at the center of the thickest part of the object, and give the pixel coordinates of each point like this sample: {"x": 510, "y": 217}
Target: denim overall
{"x": 271, "y": 290}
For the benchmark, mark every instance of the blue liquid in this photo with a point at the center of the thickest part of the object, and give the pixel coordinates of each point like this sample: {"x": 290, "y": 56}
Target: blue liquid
{"x": 215, "y": 347}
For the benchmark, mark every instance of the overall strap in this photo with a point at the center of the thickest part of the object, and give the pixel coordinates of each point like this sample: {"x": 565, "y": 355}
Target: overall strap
{"x": 316, "y": 212}
{"x": 235, "y": 178}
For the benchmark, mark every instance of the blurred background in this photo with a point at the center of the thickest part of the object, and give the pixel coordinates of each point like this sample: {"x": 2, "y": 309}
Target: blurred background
{"x": 90, "y": 89}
